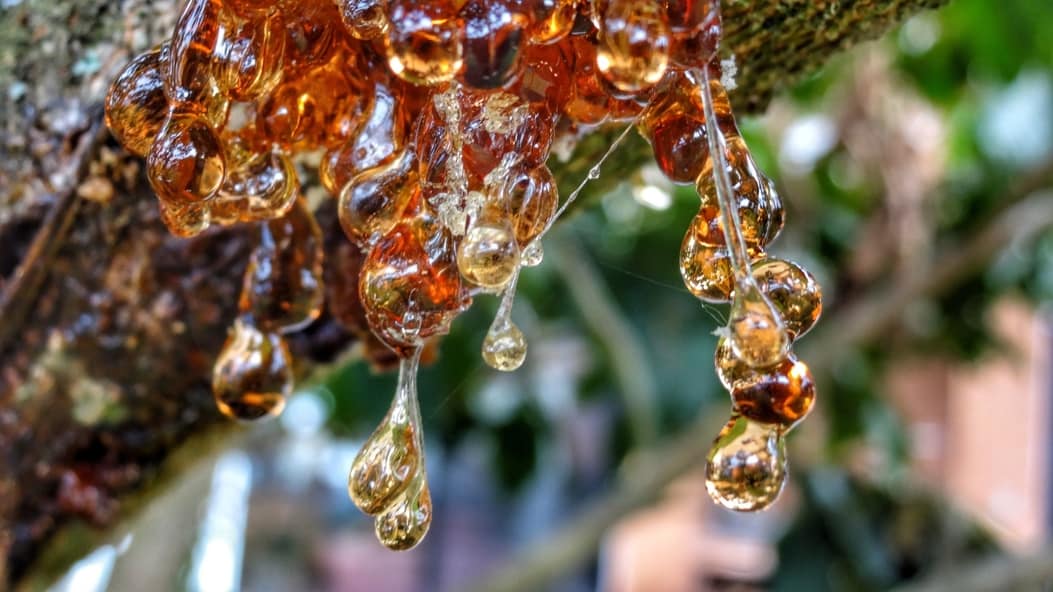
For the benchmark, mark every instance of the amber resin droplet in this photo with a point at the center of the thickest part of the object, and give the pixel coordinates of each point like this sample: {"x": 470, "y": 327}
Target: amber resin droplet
{"x": 393, "y": 456}
{"x": 323, "y": 108}
{"x": 373, "y": 201}
{"x": 136, "y": 107}
{"x": 794, "y": 292}
{"x": 782, "y": 394}
{"x": 533, "y": 254}
{"x": 190, "y": 83}
{"x": 553, "y": 20}
{"x": 505, "y": 347}
{"x": 405, "y": 523}
{"x": 760, "y": 209}
{"x": 633, "y": 51}
{"x": 705, "y": 268}
{"x": 380, "y": 140}
{"x": 283, "y": 287}
{"x": 755, "y": 330}
{"x": 696, "y": 27}
{"x": 410, "y": 286}
{"x": 260, "y": 184}
{"x": 248, "y": 60}
{"x": 186, "y": 163}
{"x": 364, "y": 19}
{"x": 531, "y": 199}
{"x": 488, "y": 255}
{"x": 493, "y": 32}
{"x": 674, "y": 124}
{"x": 425, "y": 42}
{"x": 253, "y": 375}
{"x": 746, "y": 468}
{"x": 185, "y": 220}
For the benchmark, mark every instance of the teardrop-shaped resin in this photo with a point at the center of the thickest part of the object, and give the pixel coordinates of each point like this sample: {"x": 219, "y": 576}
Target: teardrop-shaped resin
{"x": 706, "y": 269}
{"x": 263, "y": 183}
{"x": 283, "y": 288}
{"x": 697, "y": 29}
{"x": 488, "y": 255}
{"x": 405, "y": 523}
{"x": 136, "y": 107}
{"x": 410, "y": 286}
{"x": 381, "y": 139}
{"x": 392, "y": 458}
{"x": 186, "y": 163}
{"x": 321, "y": 109}
{"x": 553, "y": 20}
{"x": 314, "y": 35}
{"x": 760, "y": 209}
{"x": 186, "y": 220}
{"x": 253, "y": 375}
{"x": 505, "y": 347}
{"x": 531, "y": 198}
{"x": 675, "y": 125}
{"x": 372, "y": 202}
{"x": 746, "y": 468}
{"x": 533, "y": 254}
{"x": 190, "y": 82}
{"x": 686, "y": 16}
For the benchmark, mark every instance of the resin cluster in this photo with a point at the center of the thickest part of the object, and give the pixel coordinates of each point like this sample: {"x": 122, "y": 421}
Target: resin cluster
{"x": 695, "y": 139}
{"x": 431, "y": 125}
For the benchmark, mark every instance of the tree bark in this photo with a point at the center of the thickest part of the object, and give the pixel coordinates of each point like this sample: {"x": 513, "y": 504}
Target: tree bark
{"x": 108, "y": 325}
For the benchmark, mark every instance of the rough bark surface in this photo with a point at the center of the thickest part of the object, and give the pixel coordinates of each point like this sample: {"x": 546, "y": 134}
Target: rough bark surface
{"x": 108, "y": 325}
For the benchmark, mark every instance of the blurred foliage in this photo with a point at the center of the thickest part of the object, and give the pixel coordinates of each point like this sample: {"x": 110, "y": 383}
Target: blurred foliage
{"x": 965, "y": 62}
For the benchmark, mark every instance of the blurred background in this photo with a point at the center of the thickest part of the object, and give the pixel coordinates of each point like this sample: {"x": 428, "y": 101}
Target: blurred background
{"x": 916, "y": 173}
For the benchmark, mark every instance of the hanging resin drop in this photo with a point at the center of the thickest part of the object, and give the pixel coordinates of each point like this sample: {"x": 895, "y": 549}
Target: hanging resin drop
{"x": 388, "y": 477}
{"x": 793, "y": 291}
{"x": 136, "y": 107}
{"x": 404, "y": 524}
{"x": 253, "y": 375}
{"x": 393, "y": 455}
{"x": 186, "y": 163}
{"x": 704, "y": 267}
{"x": 409, "y": 286}
{"x": 260, "y": 184}
{"x": 782, "y": 394}
{"x": 185, "y": 220}
{"x": 373, "y": 201}
{"x": 505, "y": 347}
{"x": 533, "y": 254}
{"x": 488, "y": 255}
{"x": 425, "y": 43}
{"x": 633, "y": 51}
{"x": 746, "y": 468}
{"x": 755, "y": 330}
{"x": 283, "y": 285}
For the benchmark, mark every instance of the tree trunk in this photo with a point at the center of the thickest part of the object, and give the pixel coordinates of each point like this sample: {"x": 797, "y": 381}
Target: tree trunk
{"x": 108, "y": 325}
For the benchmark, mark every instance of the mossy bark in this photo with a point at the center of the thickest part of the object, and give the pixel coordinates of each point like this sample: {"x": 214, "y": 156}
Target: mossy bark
{"x": 108, "y": 325}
